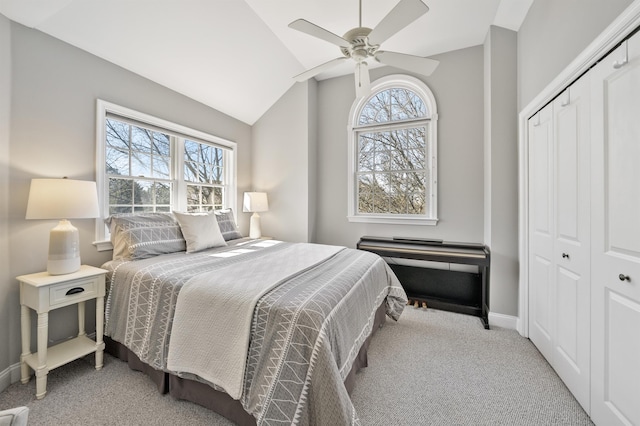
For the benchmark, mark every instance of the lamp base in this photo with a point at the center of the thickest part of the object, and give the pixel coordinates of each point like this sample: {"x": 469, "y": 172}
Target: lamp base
{"x": 64, "y": 249}
{"x": 255, "y": 230}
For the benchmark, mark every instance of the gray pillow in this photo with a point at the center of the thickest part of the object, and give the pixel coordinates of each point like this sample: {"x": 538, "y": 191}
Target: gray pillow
{"x": 227, "y": 224}
{"x": 143, "y": 235}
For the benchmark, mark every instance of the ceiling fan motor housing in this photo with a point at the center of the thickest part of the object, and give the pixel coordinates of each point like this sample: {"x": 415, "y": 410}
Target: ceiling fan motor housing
{"x": 360, "y": 48}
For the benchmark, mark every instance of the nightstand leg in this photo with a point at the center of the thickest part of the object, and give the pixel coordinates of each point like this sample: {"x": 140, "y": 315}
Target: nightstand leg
{"x": 99, "y": 332}
{"x": 25, "y": 324}
{"x": 81, "y": 331}
{"x": 41, "y": 371}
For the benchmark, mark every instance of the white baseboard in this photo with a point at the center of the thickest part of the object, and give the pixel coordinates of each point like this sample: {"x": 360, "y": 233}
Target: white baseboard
{"x": 504, "y": 321}
{"x": 9, "y": 376}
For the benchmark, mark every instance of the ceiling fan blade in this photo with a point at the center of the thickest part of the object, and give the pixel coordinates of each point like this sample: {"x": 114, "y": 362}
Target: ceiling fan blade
{"x": 363, "y": 82}
{"x": 400, "y": 16}
{"x": 417, "y": 64}
{"x": 319, "y": 32}
{"x": 317, "y": 70}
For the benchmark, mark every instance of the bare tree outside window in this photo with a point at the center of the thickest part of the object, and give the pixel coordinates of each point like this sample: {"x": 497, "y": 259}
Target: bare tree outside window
{"x": 204, "y": 174}
{"x": 392, "y": 152}
{"x": 139, "y": 170}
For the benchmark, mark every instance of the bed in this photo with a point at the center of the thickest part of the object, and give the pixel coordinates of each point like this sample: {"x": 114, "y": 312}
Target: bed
{"x": 261, "y": 331}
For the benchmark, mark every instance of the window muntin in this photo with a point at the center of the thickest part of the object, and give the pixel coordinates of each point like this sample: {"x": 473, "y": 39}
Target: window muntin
{"x": 393, "y": 154}
{"x": 146, "y": 164}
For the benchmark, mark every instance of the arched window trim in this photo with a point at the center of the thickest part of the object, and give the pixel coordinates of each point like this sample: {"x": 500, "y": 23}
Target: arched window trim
{"x": 420, "y": 88}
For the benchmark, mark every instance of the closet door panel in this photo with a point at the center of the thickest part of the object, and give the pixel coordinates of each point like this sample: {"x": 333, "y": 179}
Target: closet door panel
{"x": 616, "y": 238}
{"x": 571, "y": 358}
{"x": 541, "y": 275}
{"x": 622, "y": 170}
{"x": 622, "y": 386}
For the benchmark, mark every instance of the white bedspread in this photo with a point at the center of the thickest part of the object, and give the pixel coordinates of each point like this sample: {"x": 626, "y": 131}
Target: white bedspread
{"x": 212, "y": 321}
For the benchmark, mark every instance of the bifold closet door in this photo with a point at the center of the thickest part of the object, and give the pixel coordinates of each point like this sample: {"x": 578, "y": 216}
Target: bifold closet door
{"x": 541, "y": 268}
{"x": 615, "y": 231}
{"x": 571, "y": 245}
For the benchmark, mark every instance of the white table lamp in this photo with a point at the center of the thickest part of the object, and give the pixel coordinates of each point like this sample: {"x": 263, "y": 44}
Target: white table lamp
{"x": 255, "y": 202}
{"x": 63, "y": 199}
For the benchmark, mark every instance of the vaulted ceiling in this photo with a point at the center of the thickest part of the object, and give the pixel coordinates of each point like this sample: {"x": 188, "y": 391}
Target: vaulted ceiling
{"x": 239, "y": 56}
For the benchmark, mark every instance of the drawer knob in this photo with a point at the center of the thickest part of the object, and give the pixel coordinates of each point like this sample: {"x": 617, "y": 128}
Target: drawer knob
{"x": 623, "y": 277}
{"x": 565, "y": 255}
{"x": 74, "y": 290}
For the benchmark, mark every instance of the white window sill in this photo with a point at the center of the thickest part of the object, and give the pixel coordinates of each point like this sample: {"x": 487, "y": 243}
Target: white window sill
{"x": 394, "y": 220}
{"x": 103, "y": 245}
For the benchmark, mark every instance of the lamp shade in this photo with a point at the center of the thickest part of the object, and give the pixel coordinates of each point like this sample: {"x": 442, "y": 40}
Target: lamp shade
{"x": 62, "y": 199}
{"x": 255, "y": 202}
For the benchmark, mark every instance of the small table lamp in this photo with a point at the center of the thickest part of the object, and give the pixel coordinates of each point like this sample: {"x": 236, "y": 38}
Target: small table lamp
{"x": 255, "y": 202}
{"x": 63, "y": 199}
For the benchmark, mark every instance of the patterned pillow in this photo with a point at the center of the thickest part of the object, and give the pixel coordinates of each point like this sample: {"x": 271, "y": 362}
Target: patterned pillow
{"x": 227, "y": 224}
{"x": 144, "y": 235}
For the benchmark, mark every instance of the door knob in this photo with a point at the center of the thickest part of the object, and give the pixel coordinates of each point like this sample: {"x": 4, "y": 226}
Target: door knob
{"x": 624, "y": 277}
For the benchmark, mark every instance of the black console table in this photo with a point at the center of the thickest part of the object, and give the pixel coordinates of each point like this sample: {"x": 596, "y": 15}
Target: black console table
{"x": 462, "y": 292}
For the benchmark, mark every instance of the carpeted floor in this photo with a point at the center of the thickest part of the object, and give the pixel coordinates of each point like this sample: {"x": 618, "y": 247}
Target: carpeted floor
{"x": 430, "y": 368}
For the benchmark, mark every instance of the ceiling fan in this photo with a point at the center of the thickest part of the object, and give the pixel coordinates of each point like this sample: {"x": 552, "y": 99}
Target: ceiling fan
{"x": 362, "y": 44}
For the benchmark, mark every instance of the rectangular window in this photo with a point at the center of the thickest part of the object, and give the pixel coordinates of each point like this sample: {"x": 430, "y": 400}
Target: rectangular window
{"x": 392, "y": 171}
{"x": 145, "y": 164}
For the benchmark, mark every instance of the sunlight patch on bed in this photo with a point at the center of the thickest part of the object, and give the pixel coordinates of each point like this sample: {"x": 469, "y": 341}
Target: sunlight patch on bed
{"x": 231, "y": 253}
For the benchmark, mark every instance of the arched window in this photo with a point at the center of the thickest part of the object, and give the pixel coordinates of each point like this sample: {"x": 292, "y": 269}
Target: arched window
{"x": 392, "y": 153}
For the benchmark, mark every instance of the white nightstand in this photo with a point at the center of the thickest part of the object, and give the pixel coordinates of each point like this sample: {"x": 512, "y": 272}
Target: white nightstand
{"x": 43, "y": 292}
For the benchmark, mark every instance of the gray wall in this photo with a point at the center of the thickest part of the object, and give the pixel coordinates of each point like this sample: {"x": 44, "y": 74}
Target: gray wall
{"x": 283, "y": 148}
{"x": 501, "y": 167}
{"x": 8, "y": 303}
{"x": 457, "y": 87}
{"x": 52, "y": 134}
{"x": 553, "y": 34}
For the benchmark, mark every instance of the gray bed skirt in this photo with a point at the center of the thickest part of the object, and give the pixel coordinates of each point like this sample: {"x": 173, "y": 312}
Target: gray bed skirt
{"x": 212, "y": 399}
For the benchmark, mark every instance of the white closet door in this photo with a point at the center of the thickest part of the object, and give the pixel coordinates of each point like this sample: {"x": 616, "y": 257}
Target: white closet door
{"x": 571, "y": 357}
{"x": 616, "y": 238}
{"x": 541, "y": 270}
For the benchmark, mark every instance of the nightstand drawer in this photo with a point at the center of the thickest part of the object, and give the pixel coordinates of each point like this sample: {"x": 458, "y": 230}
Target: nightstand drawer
{"x": 73, "y": 292}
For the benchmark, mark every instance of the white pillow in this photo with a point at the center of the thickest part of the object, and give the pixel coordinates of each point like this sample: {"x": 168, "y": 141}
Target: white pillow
{"x": 200, "y": 230}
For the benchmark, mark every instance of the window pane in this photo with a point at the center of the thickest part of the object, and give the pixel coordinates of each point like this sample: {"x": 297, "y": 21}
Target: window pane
{"x": 117, "y": 134}
{"x": 142, "y": 192}
{"x": 162, "y": 144}
{"x": 217, "y": 177}
{"x": 117, "y": 161}
{"x": 193, "y": 195}
{"x": 417, "y": 204}
{"x": 141, "y": 139}
{"x": 161, "y": 167}
{"x": 140, "y": 164}
{"x": 217, "y": 159}
{"x": 120, "y": 191}
{"x": 190, "y": 171}
{"x": 191, "y": 150}
{"x": 206, "y": 153}
{"x": 382, "y": 161}
{"x": 217, "y": 197}
{"x": 162, "y": 193}
{"x": 207, "y": 195}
